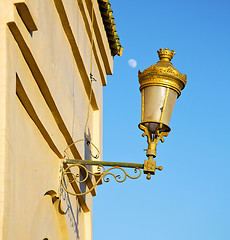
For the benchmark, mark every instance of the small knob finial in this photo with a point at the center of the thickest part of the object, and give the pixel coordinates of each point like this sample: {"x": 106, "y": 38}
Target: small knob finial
{"x": 148, "y": 176}
{"x": 160, "y": 168}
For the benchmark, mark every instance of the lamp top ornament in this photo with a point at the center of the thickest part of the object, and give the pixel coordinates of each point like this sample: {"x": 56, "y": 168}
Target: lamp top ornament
{"x": 163, "y": 73}
{"x": 165, "y": 55}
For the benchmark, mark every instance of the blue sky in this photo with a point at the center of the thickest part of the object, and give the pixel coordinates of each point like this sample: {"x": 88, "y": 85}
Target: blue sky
{"x": 190, "y": 198}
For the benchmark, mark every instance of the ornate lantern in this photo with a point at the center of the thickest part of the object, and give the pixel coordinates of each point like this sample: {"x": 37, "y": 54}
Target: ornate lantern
{"x": 160, "y": 86}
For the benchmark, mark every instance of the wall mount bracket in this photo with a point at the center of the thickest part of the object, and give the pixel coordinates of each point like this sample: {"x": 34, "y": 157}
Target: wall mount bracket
{"x": 148, "y": 167}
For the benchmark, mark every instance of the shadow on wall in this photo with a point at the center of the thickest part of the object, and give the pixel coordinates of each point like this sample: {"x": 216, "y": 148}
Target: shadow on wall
{"x": 68, "y": 210}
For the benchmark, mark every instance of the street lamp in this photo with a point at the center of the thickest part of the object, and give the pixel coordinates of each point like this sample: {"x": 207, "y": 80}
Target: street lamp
{"x": 160, "y": 86}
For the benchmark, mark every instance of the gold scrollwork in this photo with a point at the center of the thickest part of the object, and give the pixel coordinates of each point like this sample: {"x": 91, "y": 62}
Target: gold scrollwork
{"x": 153, "y": 70}
{"x": 101, "y": 175}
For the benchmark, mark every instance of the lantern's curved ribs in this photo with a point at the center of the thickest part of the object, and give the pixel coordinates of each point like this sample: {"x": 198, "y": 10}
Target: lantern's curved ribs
{"x": 102, "y": 175}
{"x": 146, "y": 132}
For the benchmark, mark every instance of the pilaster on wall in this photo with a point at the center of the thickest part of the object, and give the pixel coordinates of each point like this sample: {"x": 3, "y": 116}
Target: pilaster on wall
{"x": 7, "y": 12}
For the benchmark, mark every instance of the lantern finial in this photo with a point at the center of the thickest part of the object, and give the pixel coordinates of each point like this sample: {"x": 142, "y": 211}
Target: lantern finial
{"x": 165, "y": 54}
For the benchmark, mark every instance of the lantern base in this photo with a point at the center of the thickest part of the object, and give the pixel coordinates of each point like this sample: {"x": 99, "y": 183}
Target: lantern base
{"x": 155, "y": 126}
{"x": 153, "y": 138}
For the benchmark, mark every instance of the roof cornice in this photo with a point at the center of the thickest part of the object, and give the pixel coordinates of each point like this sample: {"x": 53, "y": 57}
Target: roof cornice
{"x": 110, "y": 27}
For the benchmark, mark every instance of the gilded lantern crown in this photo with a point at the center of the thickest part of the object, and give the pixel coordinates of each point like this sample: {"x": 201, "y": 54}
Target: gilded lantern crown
{"x": 163, "y": 73}
{"x": 165, "y": 55}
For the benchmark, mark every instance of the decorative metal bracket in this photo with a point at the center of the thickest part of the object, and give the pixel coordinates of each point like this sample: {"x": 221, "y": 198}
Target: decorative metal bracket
{"x": 152, "y": 139}
{"x": 72, "y": 173}
{"x": 103, "y": 174}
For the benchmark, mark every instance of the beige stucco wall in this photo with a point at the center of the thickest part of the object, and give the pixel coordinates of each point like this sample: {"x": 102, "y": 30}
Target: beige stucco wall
{"x": 44, "y": 98}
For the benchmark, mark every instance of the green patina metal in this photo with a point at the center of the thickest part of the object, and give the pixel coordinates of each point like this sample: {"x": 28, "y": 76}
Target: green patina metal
{"x": 103, "y": 163}
{"x": 108, "y": 20}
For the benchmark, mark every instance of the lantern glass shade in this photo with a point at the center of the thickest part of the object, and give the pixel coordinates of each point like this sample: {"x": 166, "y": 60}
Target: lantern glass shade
{"x": 157, "y": 106}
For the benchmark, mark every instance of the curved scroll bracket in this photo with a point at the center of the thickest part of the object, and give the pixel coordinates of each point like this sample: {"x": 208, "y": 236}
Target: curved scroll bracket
{"x": 103, "y": 174}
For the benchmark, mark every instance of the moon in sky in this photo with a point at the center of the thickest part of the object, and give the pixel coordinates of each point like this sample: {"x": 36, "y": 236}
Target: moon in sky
{"x": 132, "y": 63}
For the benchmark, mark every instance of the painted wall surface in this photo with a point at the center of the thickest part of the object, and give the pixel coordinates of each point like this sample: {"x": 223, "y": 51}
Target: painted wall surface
{"x": 45, "y": 62}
